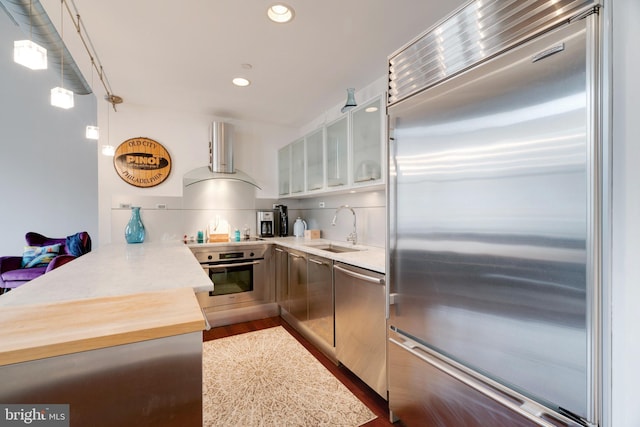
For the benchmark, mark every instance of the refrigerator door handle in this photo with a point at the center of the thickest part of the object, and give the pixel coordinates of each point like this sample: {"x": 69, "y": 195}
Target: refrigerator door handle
{"x": 519, "y": 404}
{"x": 548, "y": 52}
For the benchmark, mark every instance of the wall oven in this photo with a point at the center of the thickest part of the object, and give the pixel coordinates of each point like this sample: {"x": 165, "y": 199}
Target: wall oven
{"x": 239, "y": 275}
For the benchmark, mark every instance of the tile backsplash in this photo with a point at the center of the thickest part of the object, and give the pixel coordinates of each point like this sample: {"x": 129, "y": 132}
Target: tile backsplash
{"x": 170, "y": 218}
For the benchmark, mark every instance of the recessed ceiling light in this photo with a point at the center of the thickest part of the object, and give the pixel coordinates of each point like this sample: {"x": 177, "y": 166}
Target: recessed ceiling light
{"x": 240, "y": 81}
{"x": 280, "y": 13}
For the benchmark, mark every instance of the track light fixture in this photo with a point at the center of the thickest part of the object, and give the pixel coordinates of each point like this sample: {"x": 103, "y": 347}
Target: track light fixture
{"x": 108, "y": 149}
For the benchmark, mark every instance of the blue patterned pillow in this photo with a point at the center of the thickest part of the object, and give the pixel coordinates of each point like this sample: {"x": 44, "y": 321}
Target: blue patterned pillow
{"x": 39, "y": 256}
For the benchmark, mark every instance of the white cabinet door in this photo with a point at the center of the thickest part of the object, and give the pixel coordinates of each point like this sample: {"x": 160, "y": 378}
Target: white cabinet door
{"x": 348, "y": 153}
{"x": 315, "y": 160}
{"x": 297, "y": 166}
{"x": 366, "y": 140}
{"x": 337, "y": 150}
{"x": 284, "y": 170}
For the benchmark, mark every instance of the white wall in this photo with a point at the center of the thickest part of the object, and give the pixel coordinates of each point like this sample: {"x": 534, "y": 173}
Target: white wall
{"x": 185, "y": 135}
{"x": 362, "y": 96}
{"x": 370, "y": 209}
{"x": 625, "y": 290}
{"x": 47, "y": 167}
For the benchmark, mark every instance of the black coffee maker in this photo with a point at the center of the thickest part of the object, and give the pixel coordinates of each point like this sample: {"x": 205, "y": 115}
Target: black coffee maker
{"x": 282, "y": 220}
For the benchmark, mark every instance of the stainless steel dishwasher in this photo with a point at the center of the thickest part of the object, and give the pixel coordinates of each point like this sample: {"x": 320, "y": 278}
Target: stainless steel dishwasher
{"x": 361, "y": 324}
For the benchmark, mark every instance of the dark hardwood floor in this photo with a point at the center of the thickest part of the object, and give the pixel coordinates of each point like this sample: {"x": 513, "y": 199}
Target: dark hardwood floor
{"x": 369, "y": 397}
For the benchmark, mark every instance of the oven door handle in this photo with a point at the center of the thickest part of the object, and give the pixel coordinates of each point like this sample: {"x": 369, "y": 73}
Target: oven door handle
{"x": 240, "y": 264}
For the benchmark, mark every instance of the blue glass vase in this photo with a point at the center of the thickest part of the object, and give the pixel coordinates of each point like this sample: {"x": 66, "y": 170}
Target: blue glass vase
{"x": 134, "y": 231}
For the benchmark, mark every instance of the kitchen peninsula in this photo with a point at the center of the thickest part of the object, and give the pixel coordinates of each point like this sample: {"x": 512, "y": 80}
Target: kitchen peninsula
{"x": 116, "y": 334}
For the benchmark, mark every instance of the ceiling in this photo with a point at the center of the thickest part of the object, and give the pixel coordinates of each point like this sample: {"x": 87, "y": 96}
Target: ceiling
{"x": 183, "y": 55}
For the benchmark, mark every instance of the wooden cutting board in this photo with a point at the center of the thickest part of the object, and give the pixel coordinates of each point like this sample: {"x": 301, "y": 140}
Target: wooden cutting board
{"x": 47, "y": 330}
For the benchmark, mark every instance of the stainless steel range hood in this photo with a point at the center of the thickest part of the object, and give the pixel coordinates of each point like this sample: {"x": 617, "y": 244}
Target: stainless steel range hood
{"x": 220, "y": 159}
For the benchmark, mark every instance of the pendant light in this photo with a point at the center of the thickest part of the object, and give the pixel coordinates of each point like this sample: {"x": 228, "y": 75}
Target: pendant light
{"x": 28, "y": 53}
{"x": 92, "y": 132}
{"x": 61, "y": 97}
{"x": 108, "y": 149}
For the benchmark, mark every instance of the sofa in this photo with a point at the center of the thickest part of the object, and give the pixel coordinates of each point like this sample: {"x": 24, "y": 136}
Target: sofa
{"x": 42, "y": 254}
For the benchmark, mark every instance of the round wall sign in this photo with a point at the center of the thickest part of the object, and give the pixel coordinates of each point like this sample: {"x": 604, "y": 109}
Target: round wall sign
{"x": 142, "y": 162}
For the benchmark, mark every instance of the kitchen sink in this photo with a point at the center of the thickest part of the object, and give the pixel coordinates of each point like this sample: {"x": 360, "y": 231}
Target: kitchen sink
{"x": 333, "y": 248}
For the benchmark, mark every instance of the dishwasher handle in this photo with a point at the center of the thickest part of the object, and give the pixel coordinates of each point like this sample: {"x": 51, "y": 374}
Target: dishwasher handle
{"x": 376, "y": 280}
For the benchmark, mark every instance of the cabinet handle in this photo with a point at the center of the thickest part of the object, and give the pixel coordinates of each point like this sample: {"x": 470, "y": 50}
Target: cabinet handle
{"x": 365, "y": 179}
{"x": 295, "y": 255}
{"x": 528, "y": 409}
{"x": 206, "y": 321}
{"x": 219, "y": 266}
{"x": 279, "y": 250}
{"x": 315, "y": 261}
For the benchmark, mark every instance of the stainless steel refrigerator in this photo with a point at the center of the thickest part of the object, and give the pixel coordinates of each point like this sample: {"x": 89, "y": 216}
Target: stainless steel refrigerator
{"x": 494, "y": 217}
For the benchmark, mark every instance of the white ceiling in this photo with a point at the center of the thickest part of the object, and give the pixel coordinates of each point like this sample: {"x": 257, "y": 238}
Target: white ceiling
{"x": 183, "y": 54}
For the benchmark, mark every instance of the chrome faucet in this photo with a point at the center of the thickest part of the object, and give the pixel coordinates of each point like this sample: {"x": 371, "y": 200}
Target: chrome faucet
{"x": 353, "y": 236}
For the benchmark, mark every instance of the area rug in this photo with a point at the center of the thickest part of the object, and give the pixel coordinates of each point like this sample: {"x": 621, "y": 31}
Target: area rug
{"x": 267, "y": 378}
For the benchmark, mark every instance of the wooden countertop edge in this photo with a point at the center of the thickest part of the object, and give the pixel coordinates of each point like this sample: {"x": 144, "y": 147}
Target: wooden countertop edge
{"x": 97, "y": 343}
{"x": 29, "y": 332}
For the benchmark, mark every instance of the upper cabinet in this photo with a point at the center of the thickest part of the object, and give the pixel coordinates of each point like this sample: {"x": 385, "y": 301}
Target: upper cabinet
{"x": 337, "y": 153}
{"x": 284, "y": 171}
{"x": 366, "y": 142}
{"x": 297, "y": 167}
{"x": 345, "y": 154}
{"x": 315, "y": 160}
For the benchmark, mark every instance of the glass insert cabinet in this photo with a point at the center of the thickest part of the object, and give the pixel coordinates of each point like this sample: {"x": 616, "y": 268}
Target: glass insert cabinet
{"x": 315, "y": 160}
{"x": 337, "y": 153}
{"x": 345, "y": 154}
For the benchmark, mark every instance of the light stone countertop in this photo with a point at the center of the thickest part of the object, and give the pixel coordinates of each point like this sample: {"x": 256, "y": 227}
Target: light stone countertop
{"x": 121, "y": 269}
{"x": 369, "y": 257}
{"x": 114, "y": 270}
{"x": 141, "y": 291}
